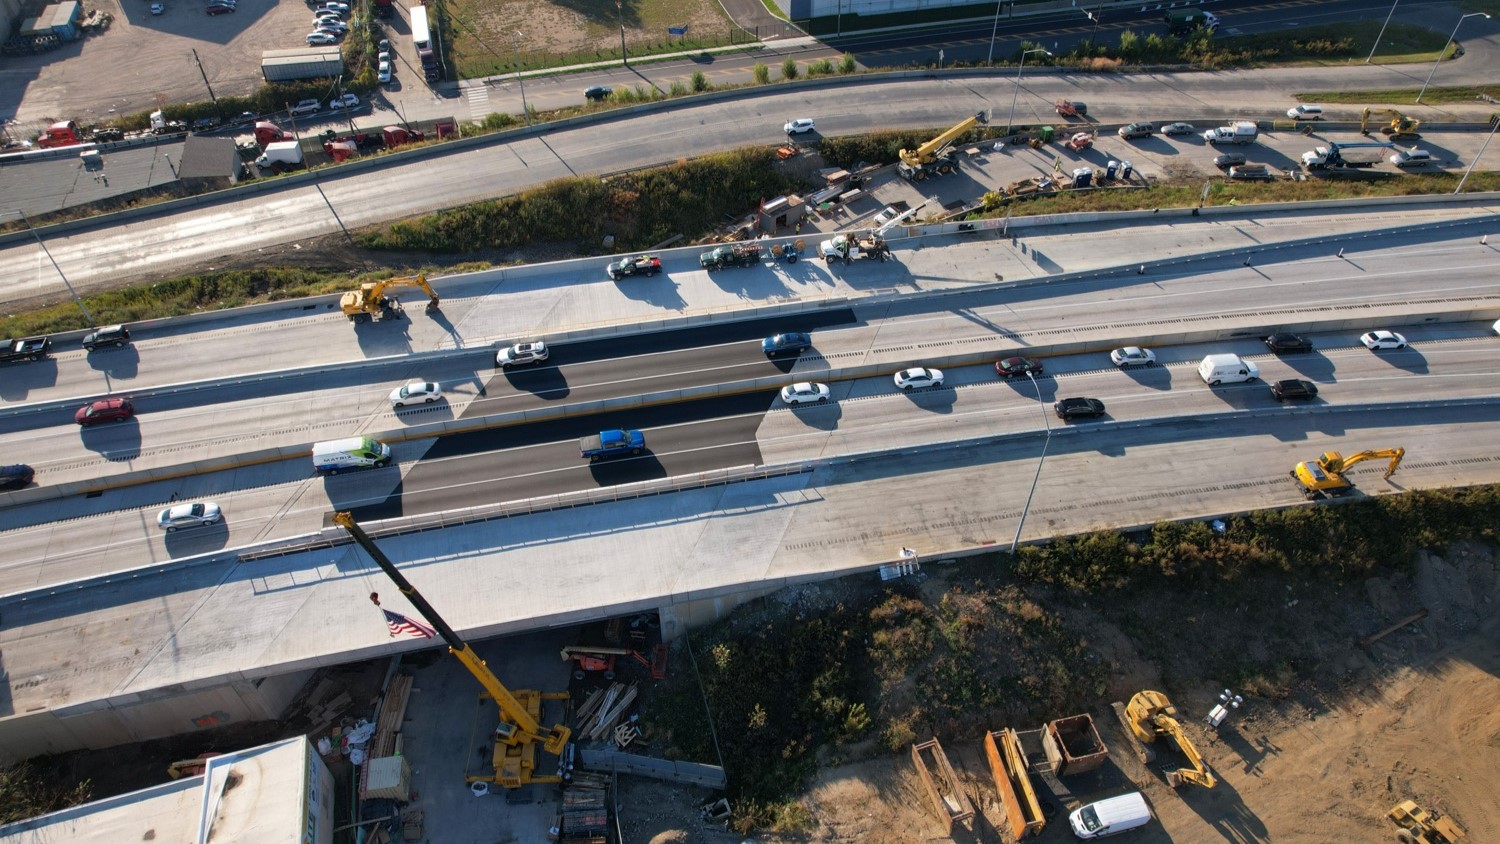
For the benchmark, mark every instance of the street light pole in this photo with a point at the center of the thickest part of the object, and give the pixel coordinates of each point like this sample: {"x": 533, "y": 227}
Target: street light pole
{"x": 525, "y": 112}
{"x": 1494, "y": 124}
{"x": 1047, "y": 423}
{"x": 1445, "y": 49}
{"x": 1010, "y": 121}
{"x": 1387, "y": 23}
{"x": 620, "y": 7}
{"x": 87, "y": 317}
{"x": 990, "y": 62}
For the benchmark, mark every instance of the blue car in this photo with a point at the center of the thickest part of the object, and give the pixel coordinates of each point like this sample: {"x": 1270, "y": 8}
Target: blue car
{"x": 784, "y": 344}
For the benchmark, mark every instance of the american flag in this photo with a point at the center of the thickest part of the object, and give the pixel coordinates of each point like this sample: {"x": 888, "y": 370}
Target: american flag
{"x": 400, "y": 625}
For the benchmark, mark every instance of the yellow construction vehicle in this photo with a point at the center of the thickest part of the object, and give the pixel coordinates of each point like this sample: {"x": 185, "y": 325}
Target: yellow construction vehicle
{"x": 1401, "y": 127}
{"x": 1150, "y": 716}
{"x": 1325, "y": 476}
{"x": 935, "y": 155}
{"x": 370, "y": 302}
{"x": 519, "y": 732}
{"x": 1419, "y": 826}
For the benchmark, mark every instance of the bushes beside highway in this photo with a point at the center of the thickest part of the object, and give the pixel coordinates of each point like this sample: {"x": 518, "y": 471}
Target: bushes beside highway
{"x": 640, "y": 209}
{"x": 821, "y": 673}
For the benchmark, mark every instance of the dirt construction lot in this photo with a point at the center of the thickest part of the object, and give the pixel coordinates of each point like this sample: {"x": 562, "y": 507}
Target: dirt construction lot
{"x": 1412, "y": 717}
{"x": 143, "y": 61}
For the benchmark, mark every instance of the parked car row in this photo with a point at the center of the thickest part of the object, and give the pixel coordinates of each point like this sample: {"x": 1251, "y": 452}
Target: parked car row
{"x": 329, "y": 24}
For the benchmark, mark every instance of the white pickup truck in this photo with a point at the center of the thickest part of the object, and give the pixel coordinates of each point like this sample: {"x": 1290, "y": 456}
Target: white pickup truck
{"x": 1241, "y": 132}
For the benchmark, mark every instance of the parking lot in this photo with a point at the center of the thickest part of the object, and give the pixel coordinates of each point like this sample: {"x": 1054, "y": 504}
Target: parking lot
{"x": 145, "y": 60}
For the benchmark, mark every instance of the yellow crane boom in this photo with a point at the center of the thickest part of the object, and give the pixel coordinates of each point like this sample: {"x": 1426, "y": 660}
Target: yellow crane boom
{"x": 1325, "y": 476}
{"x": 1151, "y": 716}
{"x": 519, "y": 732}
{"x": 932, "y": 156}
{"x": 1400, "y": 126}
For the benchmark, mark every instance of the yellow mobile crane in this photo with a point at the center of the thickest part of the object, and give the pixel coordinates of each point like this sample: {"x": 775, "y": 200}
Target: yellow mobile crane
{"x": 1325, "y": 476}
{"x": 370, "y": 302}
{"x": 935, "y": 156}
{"x": 1401, "y": 127}
{"x": 519, "y": 731}
{"x": 1149, "y": 716}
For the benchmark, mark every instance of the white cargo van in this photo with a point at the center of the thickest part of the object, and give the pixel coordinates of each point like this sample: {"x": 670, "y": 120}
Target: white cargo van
{"x": 350, "y": 453}
{"x": 1108, "y": 817}
{"x": 1226, "y": 369}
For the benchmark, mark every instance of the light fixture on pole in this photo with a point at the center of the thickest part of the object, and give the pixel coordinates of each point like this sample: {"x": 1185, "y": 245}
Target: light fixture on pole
{"x": 620, "y": 7}
{"x": 1228, "y": 701}
{"x": 1445, "y": 49}
{"x": 1047, "y": 424}
{"x": 525, "y": 112}
{"x": 1387, "y": 23}
{"x": 1010, "y": 121}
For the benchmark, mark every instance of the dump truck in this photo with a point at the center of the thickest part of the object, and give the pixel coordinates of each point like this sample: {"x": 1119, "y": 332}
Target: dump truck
{"x": 1344, "y": 156}
{"x": 616, "y": 443}
{"x": 730, "y": 255}
{"x": 27, "y": 348}
{"x": 1239, "y": 132}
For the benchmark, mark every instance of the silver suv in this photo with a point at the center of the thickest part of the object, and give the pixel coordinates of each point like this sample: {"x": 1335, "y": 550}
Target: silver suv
{"x": 307, "y": 107}
{"x": 522, "y": 353}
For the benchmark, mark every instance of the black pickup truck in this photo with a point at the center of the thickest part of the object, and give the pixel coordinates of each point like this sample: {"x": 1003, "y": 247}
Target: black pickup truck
{"x": 27, "y": 348}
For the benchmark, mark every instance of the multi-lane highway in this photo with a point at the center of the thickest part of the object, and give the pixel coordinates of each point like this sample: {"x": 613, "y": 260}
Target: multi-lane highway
{"x": 1363, "y": 289}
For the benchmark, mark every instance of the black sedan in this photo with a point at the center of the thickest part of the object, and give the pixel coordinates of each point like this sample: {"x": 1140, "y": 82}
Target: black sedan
{"x": 786, "y": 344}
{"x": 1016, "y": 367}
{"x": 15, "y": 476}
{"x": 1294, "y": 389}
{"x": 1282, "y": 343}
{"x": 1224, "y": 161}
{"x": 1078, "y": 408}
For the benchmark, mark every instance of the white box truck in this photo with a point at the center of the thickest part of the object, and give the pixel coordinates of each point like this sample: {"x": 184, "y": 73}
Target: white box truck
{"x": 280, "y": 154}
{"x": 334, "y": 456}
{"x": 1227, "y": 369}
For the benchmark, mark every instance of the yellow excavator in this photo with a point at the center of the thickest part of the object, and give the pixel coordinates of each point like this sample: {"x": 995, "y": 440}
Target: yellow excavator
{"x": 1401, "y": 127}
{"x": 369, "y": 302}
{"x": 519, "y": 733}
{"x": 1420, "y": 826}
{"x": 1325, "y": 476}
{"x": 1150, "y": 716}
{"x": 935, "y": 157}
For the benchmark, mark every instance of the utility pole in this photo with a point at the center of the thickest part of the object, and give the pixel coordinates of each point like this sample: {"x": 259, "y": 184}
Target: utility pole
{"x": 620, "y": 7}
{"x": 205, "y": 83}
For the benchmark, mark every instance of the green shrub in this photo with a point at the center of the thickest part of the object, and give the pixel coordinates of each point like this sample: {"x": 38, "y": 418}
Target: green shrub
{"x": 761, "y": 73}
{"x": 789, "y": 68}
{"x": 847, "y": 64}
{"x": 700, "y": 82}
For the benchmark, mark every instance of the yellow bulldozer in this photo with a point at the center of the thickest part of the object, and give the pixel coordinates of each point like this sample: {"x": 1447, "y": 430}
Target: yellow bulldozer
{"x": 1401, "y": 127}
{"x": 1419, "y": 826}
{"x": 370, "y": 301}
{"x": 1325, "y": 476}
{"x": 1150, "y": 716}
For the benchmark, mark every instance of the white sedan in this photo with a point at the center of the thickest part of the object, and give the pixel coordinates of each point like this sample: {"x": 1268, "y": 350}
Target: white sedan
{"x": 417, "y": 392}
{"x": 1132, "y": 356}
{"x": 522, "y": 353}
{"x": 194, "y": 514}
{"x": 798, "y": 126}
{"x": 1377, "y": 340}
{"x": 346, "y": 101}
{"x": 919, "y": 377}
{"x": 805, "y": 392}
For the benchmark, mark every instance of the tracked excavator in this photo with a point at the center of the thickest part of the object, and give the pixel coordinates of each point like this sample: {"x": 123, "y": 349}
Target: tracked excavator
{"x": 369, "y": 302}
{"x": 520, "y": 733}
{"x": 1150, "y": 716}
{"x": 1325, "y": 476}
{"x": 935, "y": 156}
{"x": 1401, "y": 127}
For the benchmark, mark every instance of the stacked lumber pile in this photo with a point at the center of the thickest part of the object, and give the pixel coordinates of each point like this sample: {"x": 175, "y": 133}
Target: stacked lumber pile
{"x": 392, "y": 714}
{"x": 585, "y": 809}
{"x": 603, "y": 710}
